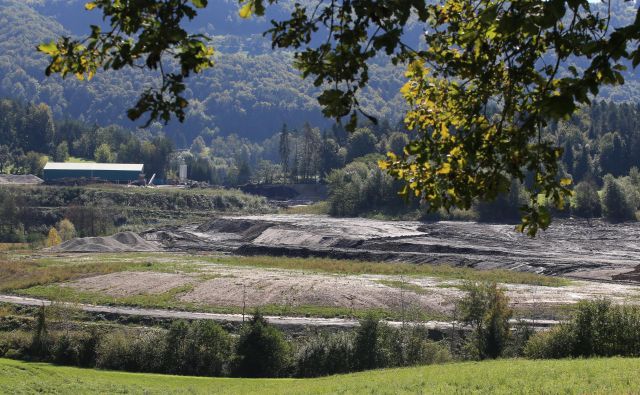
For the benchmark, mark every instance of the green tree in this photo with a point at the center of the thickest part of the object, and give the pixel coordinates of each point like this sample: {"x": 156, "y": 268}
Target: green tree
{"x": 587, "y": 200}
{"x": 5, "y": 157}
{"x": 615, "y": 206}
{"x": 284, "y": 150}
{"x": 244, "y": 173}
{"x": 486, "y": 308}
{"x": 612, "y": 154}
{"x": 362, "y": 142}
{"x": 62, "y": 152}
{"x": 103, "y": 154}
{"x": 198, "y": 146}
{"x": 397, "y": 142}
{"x": 477, "y": 53}
{"x": 262, "y": 350}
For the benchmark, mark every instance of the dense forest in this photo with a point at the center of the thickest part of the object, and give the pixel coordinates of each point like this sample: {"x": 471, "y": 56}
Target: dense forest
{"x": 250, "y": 92}
{"x": 601, "y": 145}
{"x": 30, "y": 135}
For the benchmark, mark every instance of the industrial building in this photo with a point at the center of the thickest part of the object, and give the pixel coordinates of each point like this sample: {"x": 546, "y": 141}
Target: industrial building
{"x": 114, "y": 172}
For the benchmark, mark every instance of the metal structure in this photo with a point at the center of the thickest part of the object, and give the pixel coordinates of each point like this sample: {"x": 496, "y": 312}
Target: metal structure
{"x": 114, "y": 172}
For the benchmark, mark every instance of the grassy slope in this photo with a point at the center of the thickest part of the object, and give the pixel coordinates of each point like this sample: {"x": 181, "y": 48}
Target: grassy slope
{"x": 594, "y": 376}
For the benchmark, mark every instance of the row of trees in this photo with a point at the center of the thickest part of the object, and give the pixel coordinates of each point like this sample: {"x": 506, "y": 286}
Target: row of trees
{"x": 29, "y": 134}
{"x": 204, "y": 348}
{"x": 305, "y": 155}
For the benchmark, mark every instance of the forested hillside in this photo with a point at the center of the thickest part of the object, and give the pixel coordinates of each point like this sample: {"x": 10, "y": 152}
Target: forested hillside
{"x": 251, "y": 91}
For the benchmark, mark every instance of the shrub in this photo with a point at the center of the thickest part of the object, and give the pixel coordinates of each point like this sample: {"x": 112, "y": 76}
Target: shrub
{"x": 65, "y": 350}
{"x": 597, "y": 329}
{"x": 133, "y": 352}
{"x": 325, "y": 354}
{"x": 15, "y": 344}
{"x": 199, "y": 348}
{"x": 77, "y": 348}
{"x": 486, "y": 308}
{"x": 557, "y": 342}
{"x": 261, "y": 350}
{"x": 419, "y": 350}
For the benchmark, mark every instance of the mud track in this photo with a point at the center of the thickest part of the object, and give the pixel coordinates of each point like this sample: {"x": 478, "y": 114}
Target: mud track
{"x": 572, "y": 248}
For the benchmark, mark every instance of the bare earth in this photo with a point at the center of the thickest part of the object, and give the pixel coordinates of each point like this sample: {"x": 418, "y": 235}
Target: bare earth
{"x": 572, "y": 248}
{"x": 225, "y": 286}
{"x": 607, "y": 255}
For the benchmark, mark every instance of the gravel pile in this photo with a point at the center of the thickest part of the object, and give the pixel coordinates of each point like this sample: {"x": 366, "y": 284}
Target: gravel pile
{"x": 120, "y": 242}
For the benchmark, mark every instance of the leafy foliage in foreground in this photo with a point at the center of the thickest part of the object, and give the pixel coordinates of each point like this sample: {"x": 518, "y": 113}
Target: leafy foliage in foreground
{"x": 479, "y": 55}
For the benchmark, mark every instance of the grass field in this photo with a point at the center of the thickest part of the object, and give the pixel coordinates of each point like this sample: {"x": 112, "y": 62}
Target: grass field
{"x": 592, "y": 376}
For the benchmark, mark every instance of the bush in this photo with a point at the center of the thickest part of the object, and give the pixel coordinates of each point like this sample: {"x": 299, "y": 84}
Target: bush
{"x": 76, "y": 348}
{"x": 325, "y": 355}
{"x": 124, "y": 350}
{"x": 199, "y": 348}
{"x": 15, "y": 344}
{"x": 419, "y": 350}
{"x": 556, "y": 343}
{"x": 262, "y": 350}
{"x": 597, "y": 329}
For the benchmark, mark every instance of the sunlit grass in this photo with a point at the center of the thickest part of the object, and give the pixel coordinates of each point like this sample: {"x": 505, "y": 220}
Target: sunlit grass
{"x": 581, "y": 376}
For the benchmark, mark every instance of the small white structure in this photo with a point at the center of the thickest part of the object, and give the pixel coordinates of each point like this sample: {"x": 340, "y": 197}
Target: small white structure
{"x": 182, "y": 173}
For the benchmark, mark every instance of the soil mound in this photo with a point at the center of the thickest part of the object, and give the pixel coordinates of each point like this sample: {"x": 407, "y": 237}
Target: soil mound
{"x": 19, "y": 179}
{"x": 247, "y": 229}
{"x": 120, "y": 242}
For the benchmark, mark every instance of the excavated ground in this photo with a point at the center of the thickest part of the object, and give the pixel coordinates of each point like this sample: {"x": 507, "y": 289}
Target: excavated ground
{"x": 572, "y": 248}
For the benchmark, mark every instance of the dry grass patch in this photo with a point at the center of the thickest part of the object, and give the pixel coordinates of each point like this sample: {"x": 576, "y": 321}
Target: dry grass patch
{"x": 349, "y": 267}
{"x": 18, "y": 274}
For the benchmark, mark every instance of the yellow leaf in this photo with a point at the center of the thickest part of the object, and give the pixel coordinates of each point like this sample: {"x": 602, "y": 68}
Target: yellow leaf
{"x": 90, "y": 6}
{"x": 445, "y": 169}
{"x": 49, "y": 49}
{"x": 245, "y": 11}
{"x": 565, "y": 181}
{"x": 444, "y": 130}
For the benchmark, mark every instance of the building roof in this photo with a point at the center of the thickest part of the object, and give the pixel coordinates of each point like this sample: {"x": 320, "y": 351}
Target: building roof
{"x": 94, "y": 166}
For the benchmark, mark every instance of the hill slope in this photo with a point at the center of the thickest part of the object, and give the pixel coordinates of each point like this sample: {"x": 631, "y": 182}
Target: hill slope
{"x": 251, "y": 91}
{"x": 602, "y": 376}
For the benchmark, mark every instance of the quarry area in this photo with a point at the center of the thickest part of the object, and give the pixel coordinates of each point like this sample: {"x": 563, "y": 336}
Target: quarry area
{"x": 570, "y": 248}
{"x": 223, "y": 285}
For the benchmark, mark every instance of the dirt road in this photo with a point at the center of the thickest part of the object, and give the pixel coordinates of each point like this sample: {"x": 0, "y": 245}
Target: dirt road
{"x": 280, "y": 321}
